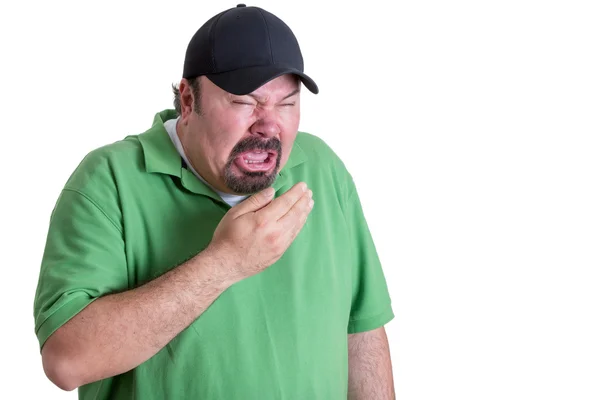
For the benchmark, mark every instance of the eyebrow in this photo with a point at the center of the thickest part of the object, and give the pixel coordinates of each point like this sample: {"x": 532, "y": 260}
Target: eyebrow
{"x": 291, "y": 94}
{"x": 258, "y": 99}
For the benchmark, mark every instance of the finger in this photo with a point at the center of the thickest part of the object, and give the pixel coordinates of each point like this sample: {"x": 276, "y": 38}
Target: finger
{"x": 296, "y": 216}
{"x": 253, "y": 203}
{"x": 281, "y": 205}
{"x": 293, "y": 231}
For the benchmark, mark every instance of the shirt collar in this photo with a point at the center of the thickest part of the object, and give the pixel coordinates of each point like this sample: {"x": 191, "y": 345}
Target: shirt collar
{"x": 161, "y": 156}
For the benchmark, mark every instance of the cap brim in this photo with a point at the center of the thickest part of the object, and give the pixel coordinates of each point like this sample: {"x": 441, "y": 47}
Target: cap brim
{"x": 243, "y": 81}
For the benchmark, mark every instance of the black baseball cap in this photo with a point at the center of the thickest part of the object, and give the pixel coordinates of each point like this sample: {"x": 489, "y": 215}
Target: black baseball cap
{"x": 243, "y": 48}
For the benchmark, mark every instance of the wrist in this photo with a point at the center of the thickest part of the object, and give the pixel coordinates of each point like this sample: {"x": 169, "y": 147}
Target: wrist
{"x": 218, "y": 268}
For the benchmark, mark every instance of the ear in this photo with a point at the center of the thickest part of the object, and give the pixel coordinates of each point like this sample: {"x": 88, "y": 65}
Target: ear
{"x": 186, "y": 99}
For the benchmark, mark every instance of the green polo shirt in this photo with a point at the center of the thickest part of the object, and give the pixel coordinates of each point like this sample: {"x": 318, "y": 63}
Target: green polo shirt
{"x": 131, "y": 211}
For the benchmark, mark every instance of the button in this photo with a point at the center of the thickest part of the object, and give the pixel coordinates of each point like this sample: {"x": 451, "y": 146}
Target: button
{"x": 241, "y": 5}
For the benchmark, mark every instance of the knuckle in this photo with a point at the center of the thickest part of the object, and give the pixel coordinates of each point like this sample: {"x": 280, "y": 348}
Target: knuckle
{"x": 272, "y": 239}
{"x": 289, "y": 202}
{"x": 306, "y": 211}
{"x": 254, "y": 201}
{"x": 261, "y": 222}
{"x": 293, "y": 212}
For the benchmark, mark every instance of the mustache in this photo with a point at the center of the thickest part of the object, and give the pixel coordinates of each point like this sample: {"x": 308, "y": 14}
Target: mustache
{"x": 253, "y": 143}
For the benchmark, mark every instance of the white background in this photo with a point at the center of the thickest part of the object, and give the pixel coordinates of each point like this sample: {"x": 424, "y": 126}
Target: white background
{"x": 472, "y": 129}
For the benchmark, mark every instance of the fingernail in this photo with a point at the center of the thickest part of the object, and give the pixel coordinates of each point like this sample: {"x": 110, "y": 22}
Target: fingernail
{"x": 304, "y": 187}
{"x": 269, "y": 192}
{"x": 310, "y": 194}
{"x": 311, "y": 204}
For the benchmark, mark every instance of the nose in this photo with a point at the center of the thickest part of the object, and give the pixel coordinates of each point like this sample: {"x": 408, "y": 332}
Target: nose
{"x": 266, "y": 126}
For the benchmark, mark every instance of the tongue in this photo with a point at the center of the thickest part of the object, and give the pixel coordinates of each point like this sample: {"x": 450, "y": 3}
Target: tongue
{"x": 252, "y": 156}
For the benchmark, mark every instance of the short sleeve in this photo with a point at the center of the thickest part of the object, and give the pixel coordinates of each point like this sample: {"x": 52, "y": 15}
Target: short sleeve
{"x": 371, "y": 303}
{"x": 84, "y": 259}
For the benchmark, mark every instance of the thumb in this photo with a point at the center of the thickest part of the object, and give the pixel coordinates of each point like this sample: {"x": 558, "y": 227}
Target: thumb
{"x": 254, "y": 202}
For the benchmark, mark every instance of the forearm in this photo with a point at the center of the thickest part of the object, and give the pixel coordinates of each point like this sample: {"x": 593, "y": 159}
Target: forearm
{"x": 369, "y": 366}
{"x": 118, "y": 332}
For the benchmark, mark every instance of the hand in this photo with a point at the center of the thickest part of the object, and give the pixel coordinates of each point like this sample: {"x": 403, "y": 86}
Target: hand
{"x": 255, "y": 233}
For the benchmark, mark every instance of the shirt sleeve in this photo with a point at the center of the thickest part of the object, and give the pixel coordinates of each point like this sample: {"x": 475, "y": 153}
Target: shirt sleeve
{"x": 371, "y": 303}
{"x": 84, "y": 259}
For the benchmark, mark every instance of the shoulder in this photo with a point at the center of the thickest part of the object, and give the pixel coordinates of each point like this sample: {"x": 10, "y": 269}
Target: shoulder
{"x": 319, "y": 153}
{"x": 102, "y": 174}
{"x": 323, "y": 160}
{"x": 101, "y": 167}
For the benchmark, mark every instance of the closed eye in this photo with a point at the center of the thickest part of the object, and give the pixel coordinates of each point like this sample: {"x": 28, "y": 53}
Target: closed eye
{"x": 243, "y": 102}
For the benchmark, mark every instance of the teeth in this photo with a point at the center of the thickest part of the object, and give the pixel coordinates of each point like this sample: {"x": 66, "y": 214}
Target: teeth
{"x": 253, "y": 162}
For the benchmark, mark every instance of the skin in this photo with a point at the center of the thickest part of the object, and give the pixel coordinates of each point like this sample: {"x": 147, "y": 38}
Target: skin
{"x": 370, "y": 366}
{"x": 120, "y": 331}
{"x": 270, "y": 113}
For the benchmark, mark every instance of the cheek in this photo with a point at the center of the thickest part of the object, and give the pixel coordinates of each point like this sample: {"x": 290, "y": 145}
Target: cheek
{"x": 226, "y": 134}
{"x": 239, "y": 121}
{"x": 289, "y": 130}
{"x": 225, "y": 147}
{"x": 289, "y": 127}
{"x": 292, "y": 118}
{"x": 287, "y": 143}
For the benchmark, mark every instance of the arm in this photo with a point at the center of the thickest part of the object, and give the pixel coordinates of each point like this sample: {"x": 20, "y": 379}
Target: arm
{"x": 117, "y": 332}
{"x": 120, "y": 331}
{"x": 370, "y": 366}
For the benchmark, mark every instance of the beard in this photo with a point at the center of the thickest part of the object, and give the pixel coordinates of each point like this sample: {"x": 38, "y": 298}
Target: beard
{"x": 249, "y": 182}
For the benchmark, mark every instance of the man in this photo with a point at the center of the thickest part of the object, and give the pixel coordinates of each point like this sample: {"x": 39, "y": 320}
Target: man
{"x": 221, "y": 254}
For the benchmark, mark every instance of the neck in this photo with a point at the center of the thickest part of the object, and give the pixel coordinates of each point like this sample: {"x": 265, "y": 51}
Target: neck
{"x": 183, "y": 134}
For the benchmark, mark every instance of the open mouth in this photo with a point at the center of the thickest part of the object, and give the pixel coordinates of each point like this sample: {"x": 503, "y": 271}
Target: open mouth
{"x": 256, "y": 160}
